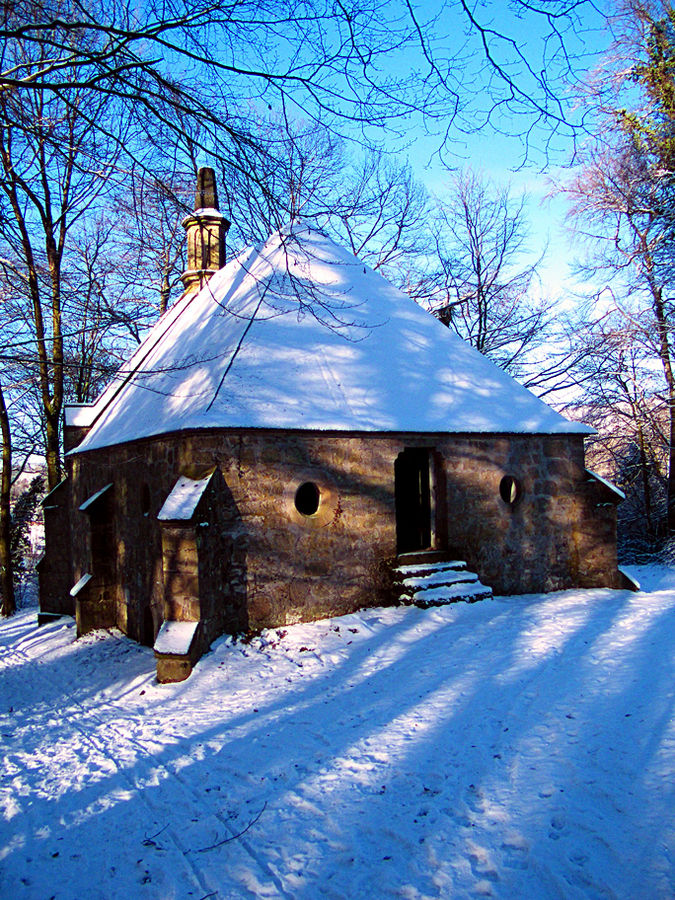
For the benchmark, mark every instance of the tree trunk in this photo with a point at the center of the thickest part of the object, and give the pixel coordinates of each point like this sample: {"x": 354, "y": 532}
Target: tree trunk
{"x": 52, "y": 451}
{"x": 6, "y": 574}
{"x": 664, "y": 353}
{"x": 646, "y": 489}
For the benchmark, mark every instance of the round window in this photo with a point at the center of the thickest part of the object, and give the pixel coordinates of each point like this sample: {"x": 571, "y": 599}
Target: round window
{"x": 509, "y": 489}
{"x": 307, "y": 498}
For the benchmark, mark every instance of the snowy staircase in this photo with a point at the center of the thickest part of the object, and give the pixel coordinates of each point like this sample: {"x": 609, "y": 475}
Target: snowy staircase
{"x": 425, "y": 580}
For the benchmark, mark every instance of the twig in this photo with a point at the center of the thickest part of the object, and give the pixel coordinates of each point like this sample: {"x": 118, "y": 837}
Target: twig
{"x": 150, "y": 841}
{"x": 235, "y": 836}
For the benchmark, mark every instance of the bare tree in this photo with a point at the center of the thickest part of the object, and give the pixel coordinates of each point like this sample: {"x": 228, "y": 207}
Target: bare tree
{"x": 7, "y": 601}
{"x": 622, "y": 196}
{"x": 483, "y": 285}
{"x": 18, "y": 429}
{"x": 150, "y": 244}
{"x": 360, "y": 196}
{"x": 622, "y": 399}
{"x": 383, "y": 217}
{"x": 368, "y": 63}
{"x": 55, "y": 170}
{"x": 302, "y": 167}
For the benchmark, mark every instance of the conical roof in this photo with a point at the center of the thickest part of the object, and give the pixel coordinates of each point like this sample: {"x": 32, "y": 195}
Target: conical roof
{"x": 300, "y": 334}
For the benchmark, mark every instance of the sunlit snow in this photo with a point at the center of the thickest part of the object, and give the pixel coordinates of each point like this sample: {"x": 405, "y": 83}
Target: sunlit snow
{"x": 517, "y": 748}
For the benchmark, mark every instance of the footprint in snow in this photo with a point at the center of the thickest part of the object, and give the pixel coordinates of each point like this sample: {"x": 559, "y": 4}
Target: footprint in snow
{"x": 516, "y": 851}
{"x": 461, "y": 819}
{"x": 481, "y": 864}
{"x": 557, "y": 826}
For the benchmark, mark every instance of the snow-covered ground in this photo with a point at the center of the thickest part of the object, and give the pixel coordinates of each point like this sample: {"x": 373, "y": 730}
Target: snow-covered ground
{"x": 516, "y": 748}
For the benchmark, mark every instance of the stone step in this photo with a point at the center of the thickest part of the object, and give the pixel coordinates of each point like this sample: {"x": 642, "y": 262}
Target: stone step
{"x": 438, "y": 579}
{"x": 458, "y": 593}
{"x": 427, "y": 583}
{"x": 422, "y": 556}
{"x": 451, "y": 565}
{"x": 46, "y": 618}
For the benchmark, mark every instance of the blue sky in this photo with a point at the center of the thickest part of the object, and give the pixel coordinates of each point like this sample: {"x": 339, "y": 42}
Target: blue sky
{"x": 502, "y": 139}
{"x": 532, "y": 162}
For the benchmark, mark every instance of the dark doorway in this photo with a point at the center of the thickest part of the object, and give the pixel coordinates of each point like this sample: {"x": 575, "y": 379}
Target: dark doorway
{"x": 414, "y": 500}
{"x": 99, "y": 509}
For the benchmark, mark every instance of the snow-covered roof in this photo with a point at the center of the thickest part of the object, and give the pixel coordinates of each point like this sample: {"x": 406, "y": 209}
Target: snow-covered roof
{"x": 298, "y": 333}
{"x": 90, "y": 501}
{"x": 606, "y": 483}
{"x": 182, "y": 502}
{"x": 175, "y": 637}
{"x": 81, "y": 584}
{"x": 78, "y": 414}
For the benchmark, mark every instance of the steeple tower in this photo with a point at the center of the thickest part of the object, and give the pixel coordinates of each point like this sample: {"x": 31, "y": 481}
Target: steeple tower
{"x": 205, "y": 230}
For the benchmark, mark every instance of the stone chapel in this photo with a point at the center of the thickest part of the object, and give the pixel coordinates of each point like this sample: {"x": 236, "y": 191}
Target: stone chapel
{"x": 295, "y": 438}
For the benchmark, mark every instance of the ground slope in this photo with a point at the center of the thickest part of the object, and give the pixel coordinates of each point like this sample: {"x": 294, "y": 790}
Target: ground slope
{"x": 521, "y": 747}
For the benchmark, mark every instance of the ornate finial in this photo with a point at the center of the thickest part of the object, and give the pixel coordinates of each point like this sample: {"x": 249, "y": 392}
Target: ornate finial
{"x": 206, "y": 196}
{"x": 206, "y": 228}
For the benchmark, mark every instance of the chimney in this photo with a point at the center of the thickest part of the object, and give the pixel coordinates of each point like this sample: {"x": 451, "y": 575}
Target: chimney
{"x": 205, "y": 231}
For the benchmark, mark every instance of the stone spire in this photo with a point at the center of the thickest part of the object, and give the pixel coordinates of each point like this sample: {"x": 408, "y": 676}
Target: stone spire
{"x": 206, "y": 195}
{"x": 205, "y": 230}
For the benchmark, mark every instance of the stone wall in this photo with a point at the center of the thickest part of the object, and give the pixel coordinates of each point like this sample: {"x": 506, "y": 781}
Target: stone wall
{"x": 221, "y": 558}
{"x": 262, "y": 563}
{"x": 55, "y": 566}
{"x": 560, "y": 532}
{"x": 204, "y": 566}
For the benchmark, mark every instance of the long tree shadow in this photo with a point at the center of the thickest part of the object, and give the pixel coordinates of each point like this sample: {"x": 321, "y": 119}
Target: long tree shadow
{"x": 364, "y": 735}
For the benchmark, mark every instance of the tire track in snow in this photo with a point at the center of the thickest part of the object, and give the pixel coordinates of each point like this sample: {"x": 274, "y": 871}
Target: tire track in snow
{"x": 15, "y": 657}
{"x": 101, "y": 748}
{"x": 197, "y": 801}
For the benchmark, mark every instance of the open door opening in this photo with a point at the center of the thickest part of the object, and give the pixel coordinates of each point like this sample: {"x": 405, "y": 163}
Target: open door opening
{"x": 414, "y": 495}
{"x": 99, "y": 509}
{"x": 95, "y": 592}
